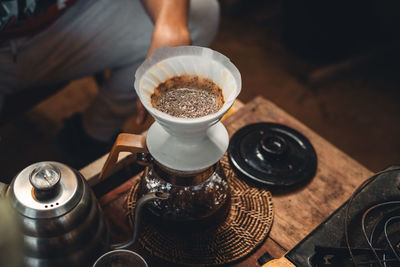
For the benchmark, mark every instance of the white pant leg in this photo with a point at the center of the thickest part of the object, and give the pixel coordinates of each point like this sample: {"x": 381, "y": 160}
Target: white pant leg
{"x": 91, "y": 36}
{"x": 204, "y": 18}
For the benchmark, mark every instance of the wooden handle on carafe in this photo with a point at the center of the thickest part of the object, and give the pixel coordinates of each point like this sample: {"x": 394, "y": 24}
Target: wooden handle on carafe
{"x": 125, "y": 143}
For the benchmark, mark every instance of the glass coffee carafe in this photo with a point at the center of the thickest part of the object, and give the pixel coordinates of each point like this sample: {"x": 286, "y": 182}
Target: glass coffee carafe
{"x": 197, "y": 196}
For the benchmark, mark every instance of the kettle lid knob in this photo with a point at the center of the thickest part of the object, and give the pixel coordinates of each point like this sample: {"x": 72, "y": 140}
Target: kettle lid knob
{"x": 45, "y": 177}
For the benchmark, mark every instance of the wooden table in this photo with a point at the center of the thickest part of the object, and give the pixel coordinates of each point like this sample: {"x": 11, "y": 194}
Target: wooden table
{"x": 297, "y": 213}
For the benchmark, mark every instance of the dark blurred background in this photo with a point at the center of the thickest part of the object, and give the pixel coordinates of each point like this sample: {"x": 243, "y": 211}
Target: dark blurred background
{"x": 331, "y": 64}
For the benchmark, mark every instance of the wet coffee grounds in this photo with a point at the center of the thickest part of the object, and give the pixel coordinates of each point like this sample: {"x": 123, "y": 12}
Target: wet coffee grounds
{"x": 188, "y": 96}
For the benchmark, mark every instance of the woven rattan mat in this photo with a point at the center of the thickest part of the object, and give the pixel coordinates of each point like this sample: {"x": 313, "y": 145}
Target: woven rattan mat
{"x": 245, "y": 227}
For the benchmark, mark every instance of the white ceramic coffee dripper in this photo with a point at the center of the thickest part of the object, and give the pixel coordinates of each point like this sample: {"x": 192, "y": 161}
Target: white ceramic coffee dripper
{"x": 187, "y": 144}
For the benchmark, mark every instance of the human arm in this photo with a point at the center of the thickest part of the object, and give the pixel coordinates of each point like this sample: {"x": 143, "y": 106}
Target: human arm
{"x": 170, "y": 18}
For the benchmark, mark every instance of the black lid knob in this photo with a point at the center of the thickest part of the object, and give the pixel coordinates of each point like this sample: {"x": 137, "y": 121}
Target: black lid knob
{"x": 273, "y": 147}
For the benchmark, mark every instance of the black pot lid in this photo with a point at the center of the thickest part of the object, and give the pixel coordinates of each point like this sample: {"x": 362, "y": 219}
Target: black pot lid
{"x": 273, "y": 154}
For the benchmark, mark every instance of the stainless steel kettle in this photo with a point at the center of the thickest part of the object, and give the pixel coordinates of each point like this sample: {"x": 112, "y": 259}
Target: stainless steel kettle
{"x": 61, "y": 222}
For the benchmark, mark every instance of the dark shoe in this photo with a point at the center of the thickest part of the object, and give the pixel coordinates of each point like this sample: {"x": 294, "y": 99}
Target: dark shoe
{"x": 76, "y": 148}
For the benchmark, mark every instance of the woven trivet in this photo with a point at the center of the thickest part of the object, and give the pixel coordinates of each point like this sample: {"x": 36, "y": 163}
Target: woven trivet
{"x": 245, "y": 227}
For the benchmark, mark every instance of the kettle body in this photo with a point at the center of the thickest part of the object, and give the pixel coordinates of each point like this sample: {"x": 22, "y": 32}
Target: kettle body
{"x": 60, "y": 219}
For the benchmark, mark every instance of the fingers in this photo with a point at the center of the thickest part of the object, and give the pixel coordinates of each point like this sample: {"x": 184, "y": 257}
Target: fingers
{"x": 141, "y": 113}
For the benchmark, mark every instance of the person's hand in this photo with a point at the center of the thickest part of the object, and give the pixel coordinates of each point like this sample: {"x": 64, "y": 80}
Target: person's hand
{"x": 170, "y": 29}
{"x": 166, "y": 34}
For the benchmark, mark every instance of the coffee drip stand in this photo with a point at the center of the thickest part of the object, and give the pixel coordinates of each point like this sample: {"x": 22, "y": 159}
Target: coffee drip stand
{"x": 184, "y": 157}
{"x": 182, "y": 154}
